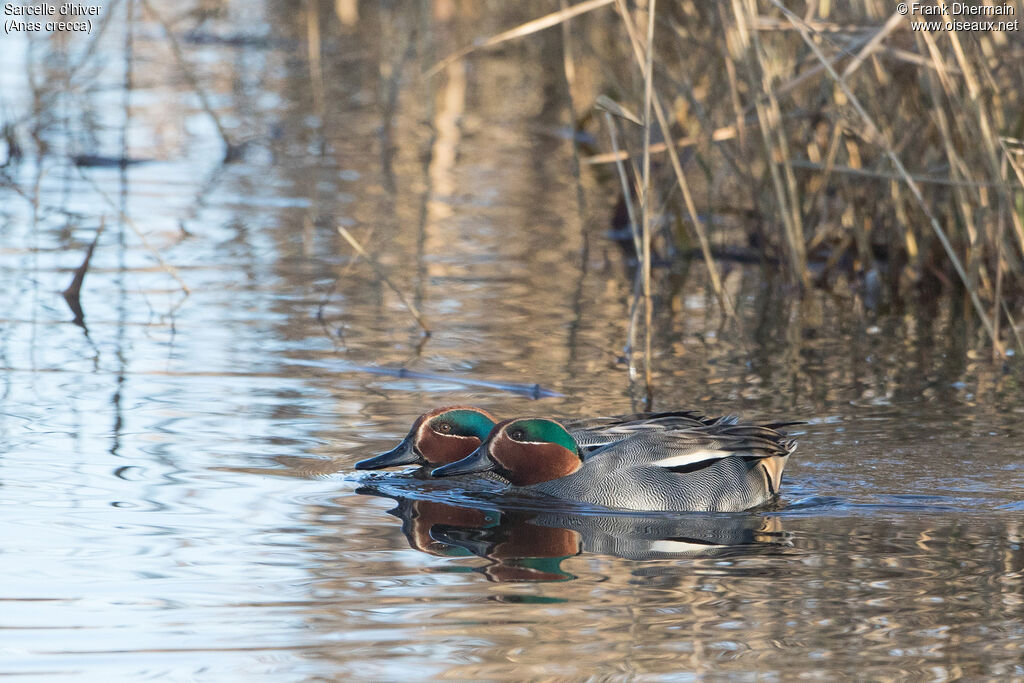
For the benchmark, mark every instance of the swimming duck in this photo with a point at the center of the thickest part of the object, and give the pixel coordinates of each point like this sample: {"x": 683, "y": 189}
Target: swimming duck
{"x": 449, "y": 434}
{"x": 722, "y": 466}
{"x": 437, "y": 437}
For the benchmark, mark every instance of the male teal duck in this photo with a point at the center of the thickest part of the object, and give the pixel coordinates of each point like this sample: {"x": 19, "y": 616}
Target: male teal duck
{"x": 720, "y": 466}
{"x": 449, "y": 434}
{"x": 437, "y": 437}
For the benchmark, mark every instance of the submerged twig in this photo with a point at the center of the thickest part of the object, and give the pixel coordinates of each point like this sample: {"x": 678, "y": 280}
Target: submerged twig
{"x": 72, "y": 294}
{"x": 168, "y": 268}
{"x": 531, "y": 390}
{"x": 383, "y": 276}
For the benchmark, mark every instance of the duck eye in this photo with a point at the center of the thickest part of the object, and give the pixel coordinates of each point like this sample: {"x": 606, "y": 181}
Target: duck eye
{"x": 518, "y": 434}
{"x": 443, "y": 427}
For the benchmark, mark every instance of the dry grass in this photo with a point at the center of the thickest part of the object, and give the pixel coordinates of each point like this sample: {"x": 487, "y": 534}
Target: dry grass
{"x": 844, "y": 148}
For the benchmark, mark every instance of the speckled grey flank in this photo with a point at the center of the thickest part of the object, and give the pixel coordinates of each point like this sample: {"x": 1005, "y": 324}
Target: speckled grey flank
{"x": 622, "y": 474}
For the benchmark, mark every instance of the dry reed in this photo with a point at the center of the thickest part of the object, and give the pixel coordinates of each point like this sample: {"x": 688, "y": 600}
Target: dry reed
{"x": 866, "y": 157}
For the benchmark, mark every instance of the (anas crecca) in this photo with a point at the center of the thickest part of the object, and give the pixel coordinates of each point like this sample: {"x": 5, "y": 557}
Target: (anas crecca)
{"x": 721, "y": 466}
{"x": 446, "y": 435}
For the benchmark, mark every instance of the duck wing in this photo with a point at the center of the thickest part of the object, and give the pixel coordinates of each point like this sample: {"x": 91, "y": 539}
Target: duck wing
{"x": 690, "y": 450}
{"x": 596, "y": 432}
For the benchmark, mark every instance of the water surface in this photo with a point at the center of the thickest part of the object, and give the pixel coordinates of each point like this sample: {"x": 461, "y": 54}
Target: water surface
{"x": 176, "y": 471}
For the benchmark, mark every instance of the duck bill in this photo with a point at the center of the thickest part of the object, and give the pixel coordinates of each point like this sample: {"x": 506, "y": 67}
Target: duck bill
{"x": 477, "y": 461}
{"x": 402, "y": 454}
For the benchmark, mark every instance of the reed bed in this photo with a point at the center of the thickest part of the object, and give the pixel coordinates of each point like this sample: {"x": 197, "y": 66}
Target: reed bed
{"x": 830, "y": 141}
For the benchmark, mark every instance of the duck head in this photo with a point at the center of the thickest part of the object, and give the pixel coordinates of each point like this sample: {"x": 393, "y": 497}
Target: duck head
{"x": 524, "y": 451}
{"x": 439, "y": 437}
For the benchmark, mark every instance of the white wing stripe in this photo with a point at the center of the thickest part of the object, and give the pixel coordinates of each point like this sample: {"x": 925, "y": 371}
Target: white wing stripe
{"x": 691, "y": 458}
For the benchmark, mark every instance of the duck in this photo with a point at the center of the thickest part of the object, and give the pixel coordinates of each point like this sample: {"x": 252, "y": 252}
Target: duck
{"x": 446, "y": 435}
{"x": 720, "y": 466}
{"x": 437, "y": 437}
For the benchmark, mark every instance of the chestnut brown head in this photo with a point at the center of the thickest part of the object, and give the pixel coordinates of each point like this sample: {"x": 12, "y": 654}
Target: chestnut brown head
{"x": 525, "y": 451}
{"x": 439, "y": 437}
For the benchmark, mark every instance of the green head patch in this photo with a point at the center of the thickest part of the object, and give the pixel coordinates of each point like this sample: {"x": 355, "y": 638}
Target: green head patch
{"x": 539, "y": 430}
{"x": 461, "y": 422}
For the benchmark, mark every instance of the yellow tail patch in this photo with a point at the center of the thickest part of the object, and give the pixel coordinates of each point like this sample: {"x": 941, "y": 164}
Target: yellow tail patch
{"x": 773, "y": 467}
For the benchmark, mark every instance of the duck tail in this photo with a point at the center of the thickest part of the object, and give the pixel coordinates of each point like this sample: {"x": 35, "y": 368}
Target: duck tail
{"x": 780, "y": 425}
{"x": 774, "y": 465}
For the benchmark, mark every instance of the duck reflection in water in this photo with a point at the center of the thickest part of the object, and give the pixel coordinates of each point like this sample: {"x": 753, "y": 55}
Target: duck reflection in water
{"x": 530, "y": 545}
